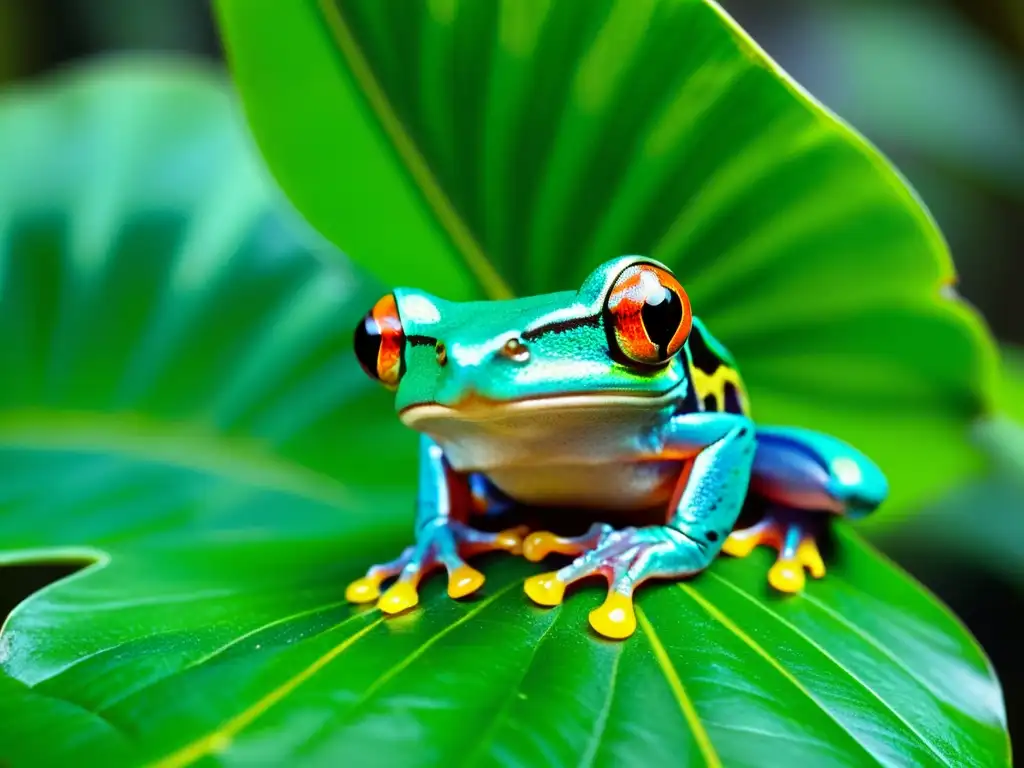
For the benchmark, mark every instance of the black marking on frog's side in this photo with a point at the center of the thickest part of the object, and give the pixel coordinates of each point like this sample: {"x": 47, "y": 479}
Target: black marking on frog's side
{"x": 687, "y": 402}
{"x": 710, "y": 403}
{"x": 701, "y": 356}
{"x": 561, "y": 326}
{"x": 732, "y": 399}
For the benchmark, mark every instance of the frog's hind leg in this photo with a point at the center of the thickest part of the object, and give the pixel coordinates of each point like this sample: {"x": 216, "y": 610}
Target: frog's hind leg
{"x": 794, "y": 534}
{"x": 804, "y": 478}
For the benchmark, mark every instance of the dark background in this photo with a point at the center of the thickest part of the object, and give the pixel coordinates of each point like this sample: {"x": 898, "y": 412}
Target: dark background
{"x": 938, "y": 85}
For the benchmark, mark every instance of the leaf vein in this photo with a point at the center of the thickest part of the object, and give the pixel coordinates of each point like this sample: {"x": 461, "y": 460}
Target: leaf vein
{"x": 461, "y": 236}
{"x": 700, "y": 734}
{"x": 488, "y": 737}
{"x": 810, "y": 641}
{"x": 221, "y": 737}
{"x": 395, "y": 669}
{"x": 602, "y": 719}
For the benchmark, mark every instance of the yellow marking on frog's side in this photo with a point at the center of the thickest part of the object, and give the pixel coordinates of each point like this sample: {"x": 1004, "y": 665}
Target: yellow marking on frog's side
{"x": 714, "y": 384}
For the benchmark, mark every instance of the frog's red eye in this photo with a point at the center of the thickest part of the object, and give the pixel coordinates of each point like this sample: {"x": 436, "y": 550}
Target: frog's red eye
{"x": 380, "y": 341}
{"x": 648, "y": 314}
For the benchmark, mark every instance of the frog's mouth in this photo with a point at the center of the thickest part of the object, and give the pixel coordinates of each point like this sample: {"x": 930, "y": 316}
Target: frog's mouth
{"x": 474, "y": 407}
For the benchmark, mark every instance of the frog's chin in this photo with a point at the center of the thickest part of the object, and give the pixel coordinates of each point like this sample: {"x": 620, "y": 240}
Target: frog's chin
{"x": 477, "y": 408}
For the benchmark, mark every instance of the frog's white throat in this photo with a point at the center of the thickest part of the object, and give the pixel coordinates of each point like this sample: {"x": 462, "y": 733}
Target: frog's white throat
{"x": 537, "y": 450}
{"x": 483, "y": 434}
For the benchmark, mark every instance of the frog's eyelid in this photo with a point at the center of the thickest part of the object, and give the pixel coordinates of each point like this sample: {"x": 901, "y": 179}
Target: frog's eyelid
{"x": 560, "y": 326}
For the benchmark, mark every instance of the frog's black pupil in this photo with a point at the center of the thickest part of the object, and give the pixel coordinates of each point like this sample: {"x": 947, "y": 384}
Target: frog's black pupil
{"x": 367, "y": 342}
{"x": 662, "y": 320}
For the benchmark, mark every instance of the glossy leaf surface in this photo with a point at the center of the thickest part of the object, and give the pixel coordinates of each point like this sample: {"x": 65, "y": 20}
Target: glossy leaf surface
{"x": 181, "y": 408}
{"x": 508, "y": 147}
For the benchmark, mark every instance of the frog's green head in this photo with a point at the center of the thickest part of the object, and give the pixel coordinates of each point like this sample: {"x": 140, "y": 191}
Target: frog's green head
{"x": 619, "y": 335}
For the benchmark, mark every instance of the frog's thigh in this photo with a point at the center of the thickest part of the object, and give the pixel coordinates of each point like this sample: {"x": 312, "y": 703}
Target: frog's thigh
{"x": 807, "y": 470}
{"x": 806, "y": 477}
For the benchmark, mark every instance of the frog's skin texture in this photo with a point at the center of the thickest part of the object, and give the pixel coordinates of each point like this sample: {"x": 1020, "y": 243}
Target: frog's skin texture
{"x": 612, "y": 398}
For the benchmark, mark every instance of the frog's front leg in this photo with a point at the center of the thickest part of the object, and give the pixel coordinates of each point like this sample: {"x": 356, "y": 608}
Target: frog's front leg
{"x": 717, "y": 451}
{"x": 443, "y": 538}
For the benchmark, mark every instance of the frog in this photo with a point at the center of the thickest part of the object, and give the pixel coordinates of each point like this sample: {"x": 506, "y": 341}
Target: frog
{"x": 614, "y": 398}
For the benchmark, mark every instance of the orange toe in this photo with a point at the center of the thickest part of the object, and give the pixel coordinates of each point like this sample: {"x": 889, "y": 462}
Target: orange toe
{"x": 511, "y": 539}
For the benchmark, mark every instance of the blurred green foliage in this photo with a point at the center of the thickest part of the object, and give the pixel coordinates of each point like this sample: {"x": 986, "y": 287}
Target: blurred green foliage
{"x": 939, "y": 85}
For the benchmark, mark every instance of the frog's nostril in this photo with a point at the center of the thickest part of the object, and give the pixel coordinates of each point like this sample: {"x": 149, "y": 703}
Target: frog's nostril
{"x": 441, "y": 352}
{"x": 514, "y": 349}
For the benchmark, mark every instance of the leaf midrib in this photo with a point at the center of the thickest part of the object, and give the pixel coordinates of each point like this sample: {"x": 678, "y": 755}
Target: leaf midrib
{"x": 487, "y": 738}
{"x": 451, "y": 222}
{"x": 190, "y": 446}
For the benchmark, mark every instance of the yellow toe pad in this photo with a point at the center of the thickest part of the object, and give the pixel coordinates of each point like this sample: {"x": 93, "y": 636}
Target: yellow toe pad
{"x": 808, "y": 554}
{"x": 363, "y": 590}
{"x": 545, "y": 589}
{"x": 739, "y": 545}
{"x": 787, "y": 576}
{"x": 400, "y": 597}
{"x": 463, "y": 581}
{"x": 614, "y": 618}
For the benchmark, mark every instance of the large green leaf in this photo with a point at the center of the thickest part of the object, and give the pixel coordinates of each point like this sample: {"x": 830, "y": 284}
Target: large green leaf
{"x": 181, "y": 409}
{"x": 493, "y": 147}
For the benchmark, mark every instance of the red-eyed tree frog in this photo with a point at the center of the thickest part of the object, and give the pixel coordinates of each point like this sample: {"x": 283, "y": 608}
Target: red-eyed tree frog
{"x": 614, "y": 398}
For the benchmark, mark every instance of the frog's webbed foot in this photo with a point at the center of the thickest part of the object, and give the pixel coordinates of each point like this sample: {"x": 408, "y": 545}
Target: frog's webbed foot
{"x": 625, "y": 558}
{"x": 794, "y": 534}
{"x": 441, "y": 543}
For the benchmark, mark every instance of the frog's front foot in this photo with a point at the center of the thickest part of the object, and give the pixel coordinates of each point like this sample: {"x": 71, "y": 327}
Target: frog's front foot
{"x": 794, "y": 534}
{"x": 625, "y": 558}
{"x": 442, "y": 542}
